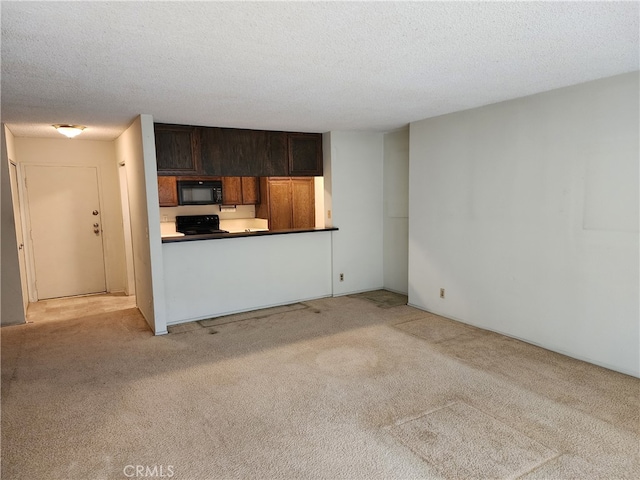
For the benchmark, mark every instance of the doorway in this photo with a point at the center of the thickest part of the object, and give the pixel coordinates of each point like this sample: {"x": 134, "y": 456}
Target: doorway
{"x": 65, "y": 228}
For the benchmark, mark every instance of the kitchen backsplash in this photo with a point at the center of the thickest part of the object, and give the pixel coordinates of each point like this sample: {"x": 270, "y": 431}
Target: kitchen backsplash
{"x": 168, "y": 214}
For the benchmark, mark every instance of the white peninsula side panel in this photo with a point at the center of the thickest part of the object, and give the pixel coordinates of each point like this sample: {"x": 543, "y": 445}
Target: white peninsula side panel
{"x": 210, "y": 278}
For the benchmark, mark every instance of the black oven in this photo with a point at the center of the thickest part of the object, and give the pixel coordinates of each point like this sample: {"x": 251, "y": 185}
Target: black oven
{"x": 199, "y": 192}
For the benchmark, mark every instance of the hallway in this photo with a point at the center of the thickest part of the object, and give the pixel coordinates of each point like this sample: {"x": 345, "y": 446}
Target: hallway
{"x": 67, "y": 308}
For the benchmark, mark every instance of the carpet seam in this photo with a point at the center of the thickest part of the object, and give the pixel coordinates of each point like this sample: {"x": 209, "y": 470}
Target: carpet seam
{"x": 537, "y": 467}
{"x": 259, "y": 317}
{"x": 556, "y": 453}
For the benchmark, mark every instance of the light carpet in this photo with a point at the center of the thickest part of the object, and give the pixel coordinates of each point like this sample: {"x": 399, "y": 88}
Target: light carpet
{"x": 334, "y": 388}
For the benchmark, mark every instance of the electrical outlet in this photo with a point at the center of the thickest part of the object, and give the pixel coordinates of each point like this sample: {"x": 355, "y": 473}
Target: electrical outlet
{"x": 442, "y": 293}
{"x": 328, "y": 213}
{"x": 342, "y": 277}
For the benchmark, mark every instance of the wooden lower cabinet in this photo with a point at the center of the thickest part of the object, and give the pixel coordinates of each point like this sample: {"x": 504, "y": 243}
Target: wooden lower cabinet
{"x": 280, "y": 205}
{"x": 304, "y": 202}
{"x": 287, "y": 202}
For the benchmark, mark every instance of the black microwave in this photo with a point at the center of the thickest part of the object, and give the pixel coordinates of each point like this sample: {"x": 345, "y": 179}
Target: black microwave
{"x": 199, "y": 192}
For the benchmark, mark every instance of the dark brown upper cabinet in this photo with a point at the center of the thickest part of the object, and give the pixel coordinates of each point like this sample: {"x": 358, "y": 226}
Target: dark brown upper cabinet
{"x": 177, "y": 150}
{"x": 234, "y": 152}
{"x": 210, "y": 156}
{"x": 243, "y": 153}
{"x": 276, "y": 164}
{"x": 305, "y": 154}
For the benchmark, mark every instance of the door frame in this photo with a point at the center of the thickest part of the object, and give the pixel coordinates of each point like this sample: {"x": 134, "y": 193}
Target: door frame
{"x": 26, "y": 223}
{"x": 130, "y": 284}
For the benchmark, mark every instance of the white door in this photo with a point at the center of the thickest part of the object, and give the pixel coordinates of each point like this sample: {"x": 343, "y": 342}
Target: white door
{"x": 66, "y": 230}
{"x": 13, "y": 175}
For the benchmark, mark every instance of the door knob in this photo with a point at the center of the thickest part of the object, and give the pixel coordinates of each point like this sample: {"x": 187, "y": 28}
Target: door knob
{"x": 95, "y": 225}
{"x": 96, "y": 231}
{"x": 95, "y": 212}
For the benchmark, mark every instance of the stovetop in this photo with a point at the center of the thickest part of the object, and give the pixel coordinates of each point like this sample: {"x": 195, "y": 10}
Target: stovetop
{"x": 198, "y": 224}
{"x": 201, "y": 231}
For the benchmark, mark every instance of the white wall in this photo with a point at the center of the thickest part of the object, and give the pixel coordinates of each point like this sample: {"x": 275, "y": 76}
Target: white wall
{"x": 355, "y": 196}
{"x": 153, "y": 218}
{"x": 210, "y": 278}
{"x": 396, "y": 210}
{"x": 100, "y": 154}
{"x": 11, "y": 295}
{"x": 136, "y": 148}
{"x": 527, "y": 213}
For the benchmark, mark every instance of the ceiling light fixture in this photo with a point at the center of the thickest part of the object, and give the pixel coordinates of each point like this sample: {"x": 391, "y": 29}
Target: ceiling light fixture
{"x": 69, "y": 130}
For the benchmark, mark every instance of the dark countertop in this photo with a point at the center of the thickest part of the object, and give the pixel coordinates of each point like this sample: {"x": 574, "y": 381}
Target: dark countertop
{"x": 217, "y": 236}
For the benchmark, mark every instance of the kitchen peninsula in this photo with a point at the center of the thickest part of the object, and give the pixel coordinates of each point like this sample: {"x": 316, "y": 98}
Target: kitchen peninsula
{"x": 278, "y": 250}
{"x": 211, "y": 276}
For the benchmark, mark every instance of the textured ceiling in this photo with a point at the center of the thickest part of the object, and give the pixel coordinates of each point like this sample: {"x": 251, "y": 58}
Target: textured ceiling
{"x": 305, "y": 66}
